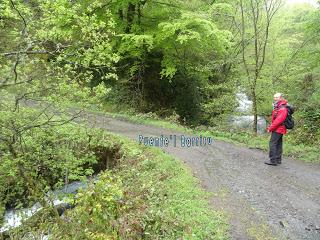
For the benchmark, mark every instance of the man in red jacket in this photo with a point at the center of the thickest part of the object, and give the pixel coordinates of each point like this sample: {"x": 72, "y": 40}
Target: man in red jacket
{"x": 277, "y": 129}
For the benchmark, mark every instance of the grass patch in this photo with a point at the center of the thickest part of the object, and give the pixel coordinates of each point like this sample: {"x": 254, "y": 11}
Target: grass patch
{"x": 151, "y": 195}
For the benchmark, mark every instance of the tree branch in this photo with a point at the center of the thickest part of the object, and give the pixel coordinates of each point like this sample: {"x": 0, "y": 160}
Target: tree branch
{"x": 23, "y": 31}
{"x": 7, "y": 54}
{"x": 242, "y": 39}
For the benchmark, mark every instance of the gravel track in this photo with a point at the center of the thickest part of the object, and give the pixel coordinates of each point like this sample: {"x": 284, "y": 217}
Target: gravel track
{"x": 261, "y": 201}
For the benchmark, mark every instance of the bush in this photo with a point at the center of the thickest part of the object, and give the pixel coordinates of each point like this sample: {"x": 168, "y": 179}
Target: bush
{"x": 36, "y": 157}
{"x": 149, "y": 195}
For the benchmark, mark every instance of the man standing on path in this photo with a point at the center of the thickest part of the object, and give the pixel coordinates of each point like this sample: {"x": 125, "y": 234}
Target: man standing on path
{"x": 277, "y": 129}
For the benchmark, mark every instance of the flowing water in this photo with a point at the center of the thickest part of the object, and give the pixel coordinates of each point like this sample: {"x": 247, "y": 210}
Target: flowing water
{"x": 14, "y": 217}
{"x": 244, "y": 119}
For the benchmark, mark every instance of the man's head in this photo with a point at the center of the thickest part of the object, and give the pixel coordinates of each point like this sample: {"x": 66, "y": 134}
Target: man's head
{"x": 277, "y": 97}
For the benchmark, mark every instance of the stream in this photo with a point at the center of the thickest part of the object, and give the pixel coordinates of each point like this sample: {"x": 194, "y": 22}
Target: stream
{"x": 14, "y": 218}
{"x": 244, "y": 119}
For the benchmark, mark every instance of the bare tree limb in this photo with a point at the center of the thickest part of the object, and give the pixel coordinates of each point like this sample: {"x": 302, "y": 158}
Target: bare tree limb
{"x": 4, "y": 84}
{"x": 15, "y": 65}
{"x": 242, "y": 39}
{"x": 25, "y": 52}
{"x": 23, "y": 31}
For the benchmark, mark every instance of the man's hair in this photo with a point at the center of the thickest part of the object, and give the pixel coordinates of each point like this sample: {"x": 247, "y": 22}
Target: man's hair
{"x": 278, "y": 95}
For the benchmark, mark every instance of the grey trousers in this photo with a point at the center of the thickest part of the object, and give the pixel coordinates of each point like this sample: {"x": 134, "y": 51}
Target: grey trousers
{"x": 275, "y": 147}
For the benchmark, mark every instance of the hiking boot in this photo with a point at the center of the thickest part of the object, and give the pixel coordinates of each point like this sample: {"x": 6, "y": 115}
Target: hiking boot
{"x": 273, "y": 163}
{"x": 278, "y": 161}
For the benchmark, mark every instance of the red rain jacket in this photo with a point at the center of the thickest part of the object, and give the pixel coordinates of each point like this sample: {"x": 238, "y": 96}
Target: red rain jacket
{"x": 279, "y": 115}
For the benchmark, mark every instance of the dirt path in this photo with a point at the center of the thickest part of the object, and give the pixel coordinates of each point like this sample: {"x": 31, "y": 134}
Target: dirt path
{"x": 262, "y": 202}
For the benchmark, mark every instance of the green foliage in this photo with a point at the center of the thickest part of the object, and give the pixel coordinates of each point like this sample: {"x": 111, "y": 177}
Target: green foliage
{"x": 39, "y": 153}
{"x": 174, "y": 59}
{"x": 97, "y": 211}
{"x": 297, "y": 74}
{"x": 149, "y": 196}
{"x": 175, "y": 53}
{"x": 189, "y": 38}
{"x": 167, "y": 57}
{"x": 84, "y": 44}
{"x": 84, "y": 31}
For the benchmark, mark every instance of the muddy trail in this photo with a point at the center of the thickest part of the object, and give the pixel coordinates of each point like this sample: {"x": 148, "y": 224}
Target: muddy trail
{"x": 260, "y": 201}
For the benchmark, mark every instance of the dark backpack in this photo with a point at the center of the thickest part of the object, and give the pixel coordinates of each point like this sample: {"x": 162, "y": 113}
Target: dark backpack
{"x": 289, "y": 122}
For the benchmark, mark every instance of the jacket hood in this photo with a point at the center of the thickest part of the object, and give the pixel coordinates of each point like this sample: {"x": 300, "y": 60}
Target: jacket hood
{"x": 282, "y": 102}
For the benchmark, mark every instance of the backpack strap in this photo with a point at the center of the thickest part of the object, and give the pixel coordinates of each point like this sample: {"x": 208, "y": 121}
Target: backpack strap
{"x": 278, "y": 108}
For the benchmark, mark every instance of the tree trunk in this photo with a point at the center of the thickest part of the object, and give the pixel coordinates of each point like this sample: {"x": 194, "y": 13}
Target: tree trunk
{"x": 255, "y": 112}
{"x": 130, "y": 16}
{"x": 120, "y": 13}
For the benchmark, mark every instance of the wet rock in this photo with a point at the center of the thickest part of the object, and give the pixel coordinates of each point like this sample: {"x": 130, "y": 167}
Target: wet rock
{"x": 61, "y": 208}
